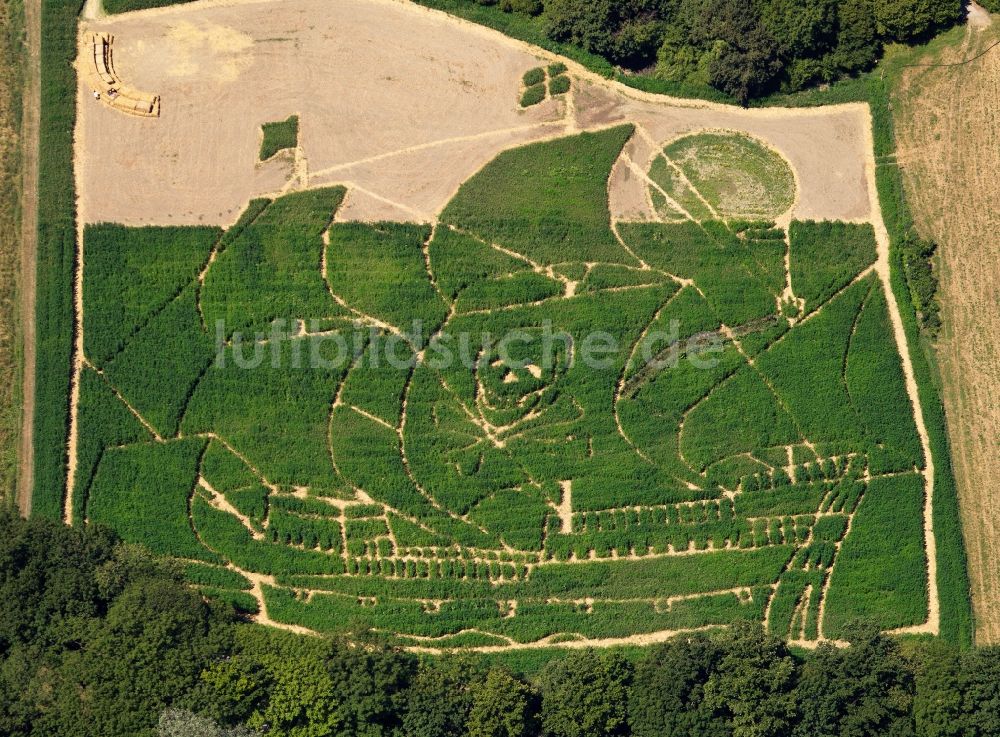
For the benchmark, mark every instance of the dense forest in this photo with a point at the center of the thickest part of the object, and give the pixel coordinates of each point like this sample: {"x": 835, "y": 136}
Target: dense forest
{"x": 745, "y": 48}
{"x": 98, "y": 637}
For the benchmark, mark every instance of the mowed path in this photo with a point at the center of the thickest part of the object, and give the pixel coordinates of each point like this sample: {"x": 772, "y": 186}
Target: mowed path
{"x": 402, "y": 105}
{"x": 948, "y": 124}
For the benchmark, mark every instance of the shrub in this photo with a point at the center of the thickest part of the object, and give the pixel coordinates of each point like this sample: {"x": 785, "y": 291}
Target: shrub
{"x": 533, "y": 95}
{"x": 559, "y": 85}
{"x": 533, "y": 77}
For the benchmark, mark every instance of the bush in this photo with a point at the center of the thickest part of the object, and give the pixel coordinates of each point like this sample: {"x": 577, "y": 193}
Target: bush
{"x": 533, "y": 95}
{"x": 533, "y": 77}
{"x": 559, "y": 85}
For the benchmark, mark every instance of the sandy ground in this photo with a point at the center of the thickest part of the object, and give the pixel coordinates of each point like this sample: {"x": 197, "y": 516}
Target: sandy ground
{"x": 398, "y": 101}
{"x": 949, "y": 133}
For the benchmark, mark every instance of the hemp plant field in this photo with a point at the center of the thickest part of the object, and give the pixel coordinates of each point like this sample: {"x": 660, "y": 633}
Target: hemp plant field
{"x": 520, "y": 424}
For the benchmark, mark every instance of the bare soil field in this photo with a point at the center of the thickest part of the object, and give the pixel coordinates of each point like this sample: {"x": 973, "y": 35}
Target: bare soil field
{"x": 949, "y": 133}
{"x": 399, "y": 101}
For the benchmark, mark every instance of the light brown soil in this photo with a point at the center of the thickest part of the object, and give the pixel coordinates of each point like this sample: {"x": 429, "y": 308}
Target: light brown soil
{"x": 26, "y": 256}
{"x": 949, "y": 133}
{"x": 399, "y": 101}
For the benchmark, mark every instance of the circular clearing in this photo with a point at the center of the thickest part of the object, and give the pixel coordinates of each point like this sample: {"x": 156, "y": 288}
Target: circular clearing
{"x": 732, "y": 173}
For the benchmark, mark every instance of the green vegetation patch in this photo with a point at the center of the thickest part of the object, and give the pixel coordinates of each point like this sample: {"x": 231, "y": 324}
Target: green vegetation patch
{"x": 279, "y": 136}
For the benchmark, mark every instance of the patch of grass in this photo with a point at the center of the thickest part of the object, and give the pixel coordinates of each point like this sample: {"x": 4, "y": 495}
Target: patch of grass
{"x": 556, "y": 69}
{"x": 279, "y": 137}
{"x": 559, "y": 85}
{"x": 533, "y": 77}
{"x": 533, "y": 95}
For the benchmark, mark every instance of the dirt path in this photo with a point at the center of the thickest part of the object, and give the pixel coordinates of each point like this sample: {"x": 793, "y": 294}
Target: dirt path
{"x": 29, "y": 246}
{"x": 948, "y": 126}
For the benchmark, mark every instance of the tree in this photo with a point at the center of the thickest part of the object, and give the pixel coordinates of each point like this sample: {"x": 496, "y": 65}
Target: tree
{"x": 502, "y": 706}
{"x": 861, "y": 690}
{"x": 439, "y": 699}
{"x": 753, "y": 684}
{"x": 937, "y": 698}
{"x": 909, "y": 20}
{"x": 667, "y": 694}
{"x": 585, "y": 695}
{"x": 981, "y": 692}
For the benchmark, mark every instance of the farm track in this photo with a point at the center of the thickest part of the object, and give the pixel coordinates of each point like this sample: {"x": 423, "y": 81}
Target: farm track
{"x": 570, "y": 122}
{"x": 949, "y": 134}
{"x": 29, "y": 247}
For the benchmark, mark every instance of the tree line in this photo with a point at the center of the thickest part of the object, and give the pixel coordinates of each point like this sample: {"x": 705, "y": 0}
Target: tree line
{"x": 745, "y": 48}
{"x": 98, "y": 637}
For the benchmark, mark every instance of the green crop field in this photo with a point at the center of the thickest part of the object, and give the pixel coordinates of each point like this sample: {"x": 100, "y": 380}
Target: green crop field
{"x": 521, "y": 422}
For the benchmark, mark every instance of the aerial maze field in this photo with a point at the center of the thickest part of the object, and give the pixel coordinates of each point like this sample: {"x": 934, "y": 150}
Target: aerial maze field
{"x": 746, "y": 450}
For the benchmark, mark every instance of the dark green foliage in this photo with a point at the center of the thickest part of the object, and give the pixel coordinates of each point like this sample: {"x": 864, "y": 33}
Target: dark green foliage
{"x": 826, "y": 256}
{"x": 131, "y": 275}
{"x": 533, "y": 95}
{"x": 559, "y": 84}
{"x": 533, "y": 77}
{"x": 556, "y": 69}
{"x": 279, "y": 136}
{"x": 502, "y": 706}
{"x": 881, "y": 571}
{"x": 918, "y": 264}
{"x": 439, "y": 699}
{"x": 138, "y": 483}
{"x": 864, "y": 689}
{"x": 547, "y": 200}
{"x": 586, "y": 696}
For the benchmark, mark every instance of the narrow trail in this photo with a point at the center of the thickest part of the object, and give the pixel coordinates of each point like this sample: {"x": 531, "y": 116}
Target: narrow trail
{"x": 29, "y": 250}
